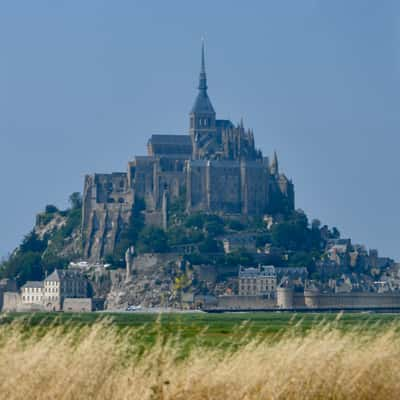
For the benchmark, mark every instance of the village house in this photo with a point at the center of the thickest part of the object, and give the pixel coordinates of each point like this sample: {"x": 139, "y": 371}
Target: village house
{"x": 62, "y": 284}
{"x": 260, "y": 281}
{"x": 32, "y": 293}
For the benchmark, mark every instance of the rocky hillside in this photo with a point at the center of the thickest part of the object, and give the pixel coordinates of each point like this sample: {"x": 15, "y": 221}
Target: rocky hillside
{"x": 54, "y": 241}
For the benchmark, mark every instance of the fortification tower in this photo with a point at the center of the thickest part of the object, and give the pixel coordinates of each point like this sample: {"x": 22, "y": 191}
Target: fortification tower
{"x": 202, "y": 127}
{"x": 284, "y": 297}
{"x": 311, "y": 297}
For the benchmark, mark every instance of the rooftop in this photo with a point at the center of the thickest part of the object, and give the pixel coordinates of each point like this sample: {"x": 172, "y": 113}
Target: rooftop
{"x": 33, "y": 284}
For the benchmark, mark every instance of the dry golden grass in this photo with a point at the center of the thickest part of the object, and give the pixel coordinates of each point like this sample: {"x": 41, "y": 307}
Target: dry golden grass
{"x": 99, "y": 362}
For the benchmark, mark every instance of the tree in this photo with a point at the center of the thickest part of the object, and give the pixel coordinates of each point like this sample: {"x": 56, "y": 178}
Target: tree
{"x": 152, "y": 240}
{"x": 315, "y": 224}
{"x": 50, "y": 209}
{"x": 335, "y": 233}
{"x": 196, "y": 220}
{"x": 210, "y": 245}
{"x": 32, "y": 243}
{"x": 214, "y": 227}
{"x": 75, "y": 200}
{"x": 235, "y": 225}
{"x": 239, "y": 257}
{"x": 23, "y": 267}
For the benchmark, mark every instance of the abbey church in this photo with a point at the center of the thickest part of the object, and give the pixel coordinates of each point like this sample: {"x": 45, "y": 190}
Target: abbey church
{"x": 216, "y": 168}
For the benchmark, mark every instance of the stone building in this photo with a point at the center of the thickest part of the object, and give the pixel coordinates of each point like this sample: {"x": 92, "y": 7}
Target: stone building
{"x": 62, "y": 284}
{"x": 6, "y": 285}
{"x": 32, "y": 293}
{"x": 260, "y": 281}
{"x": 216, "y": 154}
{"x": 77, "y": 305}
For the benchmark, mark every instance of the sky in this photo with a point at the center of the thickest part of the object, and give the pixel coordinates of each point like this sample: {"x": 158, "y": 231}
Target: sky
{"x": 83, "y": 84}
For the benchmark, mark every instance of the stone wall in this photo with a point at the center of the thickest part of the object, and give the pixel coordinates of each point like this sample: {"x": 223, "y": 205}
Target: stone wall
{"x": 107, "y": 207}
{"x": 313, "y": 299}
{"x": 223, "y": 187}
{"x": 353, "y": 300}
{"x": 244, "y": 302}
{"x": 11, "y": 301}
{"x": 77, "y": 305}
{"x": 6, "y": 285}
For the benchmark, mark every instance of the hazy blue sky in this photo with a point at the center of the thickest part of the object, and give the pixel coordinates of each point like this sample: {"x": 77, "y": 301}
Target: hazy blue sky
{"x": 84, "y": 83}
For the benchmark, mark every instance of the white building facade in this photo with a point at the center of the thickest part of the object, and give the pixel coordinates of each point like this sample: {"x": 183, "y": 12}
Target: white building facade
{"x": 260, "y": 281}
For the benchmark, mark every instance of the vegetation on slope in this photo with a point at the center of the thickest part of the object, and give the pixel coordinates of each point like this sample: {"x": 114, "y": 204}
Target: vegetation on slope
{"x": 51, "y": 244}
{"x": 56, "y": 239}
{"x": 291, "y": 234}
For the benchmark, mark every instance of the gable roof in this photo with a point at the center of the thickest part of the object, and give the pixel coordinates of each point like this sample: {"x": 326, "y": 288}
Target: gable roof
{"x": 58, "y": 275}
{"x": 33, "y": 284}
{"x": 54, "y": 276}
{"x": 202, "y": 104}
{"x": 170, "y": 144}
{"x": 171, "y": 139}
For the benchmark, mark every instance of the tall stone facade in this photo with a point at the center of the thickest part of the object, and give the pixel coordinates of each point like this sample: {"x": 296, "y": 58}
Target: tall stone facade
{"x": 216, "y": 168}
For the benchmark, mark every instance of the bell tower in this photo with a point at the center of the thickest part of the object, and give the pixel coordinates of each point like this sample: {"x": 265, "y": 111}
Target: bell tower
{"x": 202, "y": 116}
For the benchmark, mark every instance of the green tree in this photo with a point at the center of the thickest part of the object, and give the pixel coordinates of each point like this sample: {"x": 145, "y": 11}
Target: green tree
{"x": 50, "y": 209}
{"x": 75, "y": 200}
{"x": 196, "y": 220}
{"x": 235, "y": 225}
{"x": 214, "y": 227}
{"x": 210, "y": 245}
{"x": 32, "y": 243}
{"x": 152, "y": 240}
{"x": 240, "y": 257}
{"x": 335, "y": 234}
{"x": 23, "y": 266}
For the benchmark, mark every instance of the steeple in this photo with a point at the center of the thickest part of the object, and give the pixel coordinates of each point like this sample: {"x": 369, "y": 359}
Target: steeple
{"x": 202, "y": 126}
{"x": 203, "y": 76}
{"x": 203, "y": 104}
{"x": 274, "y": 165}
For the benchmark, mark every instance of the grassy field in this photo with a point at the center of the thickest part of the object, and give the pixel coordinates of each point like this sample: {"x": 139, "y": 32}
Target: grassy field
{"x": 213, "y": 328}
{"x": 244, "y": 356}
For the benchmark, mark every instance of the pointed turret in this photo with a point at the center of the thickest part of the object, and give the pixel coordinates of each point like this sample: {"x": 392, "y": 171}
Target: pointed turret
{"x": 274, "y": 168}
{"x": 203, "y": 104}
{"x": 202, "y": 116}
{"x": 203, "y": 75}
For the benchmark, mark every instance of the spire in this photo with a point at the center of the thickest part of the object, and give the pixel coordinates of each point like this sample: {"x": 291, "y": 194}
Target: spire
{"x": 203, "y": 76}
{"x": 202, "y": 103}
{"x": 203, "y": 64}
{"x": 275, "y": 165}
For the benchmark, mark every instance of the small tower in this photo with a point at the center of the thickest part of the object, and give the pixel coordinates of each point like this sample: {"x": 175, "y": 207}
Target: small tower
{"x": 274, "y": 167}
{"x": 202, "y": 115}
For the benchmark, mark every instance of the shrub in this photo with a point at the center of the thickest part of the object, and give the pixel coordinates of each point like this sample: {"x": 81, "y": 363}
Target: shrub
{"x": 50, "y": 209}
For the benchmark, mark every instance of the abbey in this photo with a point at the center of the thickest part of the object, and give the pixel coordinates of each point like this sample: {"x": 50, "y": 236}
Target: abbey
{"x": 216, "y": 168}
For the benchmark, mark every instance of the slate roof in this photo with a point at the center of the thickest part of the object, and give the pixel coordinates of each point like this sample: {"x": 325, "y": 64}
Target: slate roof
{"x": 224, "y": 124}
{"x": 33, "y": 284}
{"x": 171, "y": 139}
{"x": 54, "y": 276}
{"x": 57, "y": 275}
{"x": 171, "y": 144}
{"x": 202, "y": 104}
